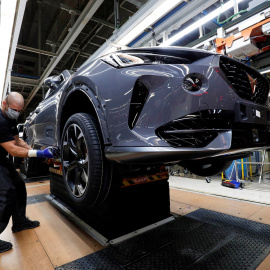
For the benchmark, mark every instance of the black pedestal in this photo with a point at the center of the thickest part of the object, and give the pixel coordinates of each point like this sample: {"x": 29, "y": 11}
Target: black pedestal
{"x": 125, "y": 210}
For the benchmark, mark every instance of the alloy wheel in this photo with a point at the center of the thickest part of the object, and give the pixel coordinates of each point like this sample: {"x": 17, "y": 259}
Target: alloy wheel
{"x": 75, "y": 160}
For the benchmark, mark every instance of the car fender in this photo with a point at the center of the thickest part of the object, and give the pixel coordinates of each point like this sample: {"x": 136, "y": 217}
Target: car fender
{"x": 85, "y": 86}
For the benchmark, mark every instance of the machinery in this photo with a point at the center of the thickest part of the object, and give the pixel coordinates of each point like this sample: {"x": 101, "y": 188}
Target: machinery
{"x": 246, "y": 38}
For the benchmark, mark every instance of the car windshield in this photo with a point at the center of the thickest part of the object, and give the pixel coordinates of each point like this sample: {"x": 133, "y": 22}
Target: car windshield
{"x": 128, "y": 59}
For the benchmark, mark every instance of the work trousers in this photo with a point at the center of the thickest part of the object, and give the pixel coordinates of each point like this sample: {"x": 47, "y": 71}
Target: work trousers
{"x": 13, "y": 195}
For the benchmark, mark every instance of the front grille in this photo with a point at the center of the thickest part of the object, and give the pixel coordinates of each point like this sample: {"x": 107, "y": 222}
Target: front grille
{"x": 237, "y": 75}
{"x": 200, "y": 129}
{"x": 192, "y": 131}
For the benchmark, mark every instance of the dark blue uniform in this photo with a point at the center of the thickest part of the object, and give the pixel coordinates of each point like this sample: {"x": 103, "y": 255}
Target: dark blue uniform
{"x": 12, "y": 187}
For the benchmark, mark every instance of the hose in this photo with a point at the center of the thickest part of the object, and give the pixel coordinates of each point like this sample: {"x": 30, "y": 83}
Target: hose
{"x": 240, "y": 12}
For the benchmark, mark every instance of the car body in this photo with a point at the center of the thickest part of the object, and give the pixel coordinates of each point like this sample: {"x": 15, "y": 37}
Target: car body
{"x": 160, "y": 105}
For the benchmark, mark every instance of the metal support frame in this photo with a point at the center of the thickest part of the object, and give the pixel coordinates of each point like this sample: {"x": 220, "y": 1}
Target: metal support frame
{"x": 183, "y": 15}
{"x": 236, "y": 9}
{"x": 83, "y": 19}
{"x": 39, "y": 38}
{"x": 116, "y": 14}
{"x": 145, "y": 11}
{"x": 24, "y": 81}
{"x": 34, "y": 50}
{"x": 259, "y": 163}
{"x": 15, "y": 36}
{"x": 76, "y": 12}
{"x": 201, "y": 31}
{"x": 71, "y": 48}
{"x": 165, "y": 35}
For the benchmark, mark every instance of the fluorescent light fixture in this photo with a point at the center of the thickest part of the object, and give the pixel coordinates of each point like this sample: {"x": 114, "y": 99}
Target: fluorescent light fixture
{"x": 264, "y": 71}
{"x": 8, "y": 10}
{"x": 153, "y": 17}
{"x": 200, "y": 22}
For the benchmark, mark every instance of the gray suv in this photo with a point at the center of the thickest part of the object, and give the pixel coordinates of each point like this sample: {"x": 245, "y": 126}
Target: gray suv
{"x": 141, "y": 108}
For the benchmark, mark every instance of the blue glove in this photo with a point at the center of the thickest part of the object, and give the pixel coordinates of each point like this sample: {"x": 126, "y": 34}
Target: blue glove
{"x": 48, "y": 152}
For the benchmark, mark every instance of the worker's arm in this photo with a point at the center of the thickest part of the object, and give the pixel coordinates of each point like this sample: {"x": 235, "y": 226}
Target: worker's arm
{"x": 18, "y": 151}
{"x": 15, "y": 150}
{"x": 21, "y": 143}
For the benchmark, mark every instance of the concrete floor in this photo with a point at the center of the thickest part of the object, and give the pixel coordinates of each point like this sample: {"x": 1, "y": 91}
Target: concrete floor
{"x": 253, "y": 191}
{"x": 59, "y": 241}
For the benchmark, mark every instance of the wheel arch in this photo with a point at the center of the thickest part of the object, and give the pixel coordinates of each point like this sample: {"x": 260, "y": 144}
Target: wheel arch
{"x": 79, "y": 98}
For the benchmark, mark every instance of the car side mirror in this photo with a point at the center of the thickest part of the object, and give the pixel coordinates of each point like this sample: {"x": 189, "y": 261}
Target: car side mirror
{"x": 53, "y": 82}
{"x": 48, "y": 81}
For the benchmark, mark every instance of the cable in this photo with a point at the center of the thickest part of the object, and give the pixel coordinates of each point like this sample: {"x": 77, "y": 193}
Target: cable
{"x": 240, "y": 12}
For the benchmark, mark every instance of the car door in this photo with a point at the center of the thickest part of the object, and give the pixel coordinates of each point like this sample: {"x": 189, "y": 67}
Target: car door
{"x": 45, "y": 120}
{"x": 46, "y": 114}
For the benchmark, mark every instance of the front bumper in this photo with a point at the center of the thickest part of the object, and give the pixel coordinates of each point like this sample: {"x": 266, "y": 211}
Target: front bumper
{"x": 205, "y": 134}
{"x": 167, "y": 155}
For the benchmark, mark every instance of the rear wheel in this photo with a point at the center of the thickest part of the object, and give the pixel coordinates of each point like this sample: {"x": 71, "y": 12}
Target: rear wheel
{"x": 206, "y": 168}
{"x": 32, "y": 167}
{"x": 86, "y": 171}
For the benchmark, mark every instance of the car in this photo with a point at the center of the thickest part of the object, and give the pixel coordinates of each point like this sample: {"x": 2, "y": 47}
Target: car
{"x": 138, "y": 109}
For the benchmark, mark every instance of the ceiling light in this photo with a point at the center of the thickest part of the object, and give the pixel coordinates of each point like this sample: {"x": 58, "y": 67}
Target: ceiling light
{"x": 7, "y": 10}
{"x": 153, "y": 17}
{"x": 264, "y": 71}
{"x": 200, "y": 22}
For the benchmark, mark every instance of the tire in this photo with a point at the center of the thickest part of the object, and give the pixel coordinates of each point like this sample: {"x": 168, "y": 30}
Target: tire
{"x": 204, "y": 168}
{"x": 86, "y": 171}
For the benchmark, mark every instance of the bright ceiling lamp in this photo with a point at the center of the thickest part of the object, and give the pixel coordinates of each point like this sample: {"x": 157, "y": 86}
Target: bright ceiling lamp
{"x": 153, "y": 17}
{"x": 264, "y": 71}
{"x": 200, "y": 22}
{"x": 7, "y": 16}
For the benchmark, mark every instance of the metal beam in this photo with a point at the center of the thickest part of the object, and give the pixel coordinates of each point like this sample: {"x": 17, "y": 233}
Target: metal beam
{"x": 25, "y": 58}
{"x": 106, "y": 23}
{"x": 83, "y": 19}
{"x": 24, "y": 81}
{"x": 139, "y": 16}
{"x": 188, "y": 12}
{"x": 61, "y": 6}
{"x": 13, "y": 43}
{"x": 137, "y": 3}
{"x": 72, "y": 48}
{"x": 77, "y": 12}
{"x": 34, "y": 50}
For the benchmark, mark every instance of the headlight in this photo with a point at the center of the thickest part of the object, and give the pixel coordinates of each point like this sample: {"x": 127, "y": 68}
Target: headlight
{"x": 121, "y": 60}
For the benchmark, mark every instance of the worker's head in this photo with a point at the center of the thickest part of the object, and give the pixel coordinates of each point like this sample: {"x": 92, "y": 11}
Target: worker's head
{"x": 12, "y": 105}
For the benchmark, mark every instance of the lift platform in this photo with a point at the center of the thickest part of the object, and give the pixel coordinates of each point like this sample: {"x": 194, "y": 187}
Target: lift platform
{"x": 140, "y": 204}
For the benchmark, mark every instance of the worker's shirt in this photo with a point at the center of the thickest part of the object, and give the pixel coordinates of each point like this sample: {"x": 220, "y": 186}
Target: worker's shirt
{"x": 8, "y": 129}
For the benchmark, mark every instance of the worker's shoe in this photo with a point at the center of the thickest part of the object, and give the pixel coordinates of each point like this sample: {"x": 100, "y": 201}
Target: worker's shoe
{"x": 5, "y": 246}
{"x": 25, "y": 225}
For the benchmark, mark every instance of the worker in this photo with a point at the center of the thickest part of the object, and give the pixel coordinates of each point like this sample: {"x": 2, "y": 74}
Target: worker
{"x": 12, "y": 187}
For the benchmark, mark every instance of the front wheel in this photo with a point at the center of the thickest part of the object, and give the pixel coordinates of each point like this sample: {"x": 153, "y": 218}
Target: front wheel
{"x": 86, "y": 171}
